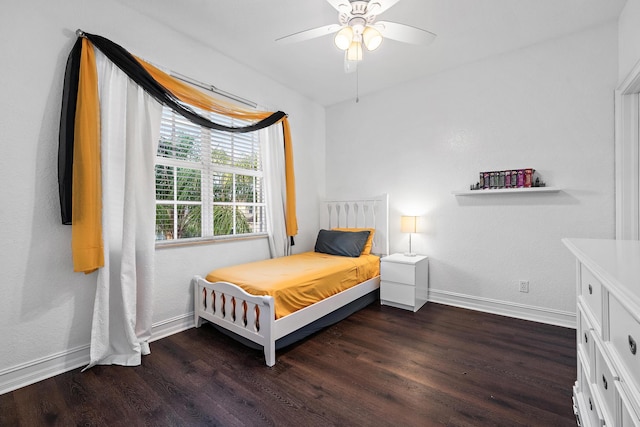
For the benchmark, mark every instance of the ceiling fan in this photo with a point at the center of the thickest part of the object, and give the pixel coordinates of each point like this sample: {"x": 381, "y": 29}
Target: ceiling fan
{"x": 357, "y": 26}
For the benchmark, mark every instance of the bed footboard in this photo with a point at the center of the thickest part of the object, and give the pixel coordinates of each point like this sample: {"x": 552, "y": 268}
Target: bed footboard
{"x": 229, "y": 306}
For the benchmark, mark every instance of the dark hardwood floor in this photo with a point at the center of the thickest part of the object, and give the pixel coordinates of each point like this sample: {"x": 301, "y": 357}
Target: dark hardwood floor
{"x": 380, "y": 367}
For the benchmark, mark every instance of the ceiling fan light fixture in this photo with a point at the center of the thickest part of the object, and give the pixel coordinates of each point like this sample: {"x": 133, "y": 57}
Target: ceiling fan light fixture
{"x": 371, "y": 38}
{"x": 344, "y": 38}
{"x": 358, "y": 24}
{"x": 354, "y": 53}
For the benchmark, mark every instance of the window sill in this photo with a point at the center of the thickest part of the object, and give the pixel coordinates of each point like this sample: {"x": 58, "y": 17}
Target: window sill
{"x": 164, "y": 244}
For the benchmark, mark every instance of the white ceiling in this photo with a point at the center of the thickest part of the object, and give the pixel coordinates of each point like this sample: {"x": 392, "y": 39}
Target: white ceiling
{"x": 467, "y": 30}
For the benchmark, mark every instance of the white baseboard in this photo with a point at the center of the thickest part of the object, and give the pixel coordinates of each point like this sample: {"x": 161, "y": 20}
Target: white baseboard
{"x": 37, "y": 370}
{"x": 505, "y": 308}
{"x": 31, "y": 372}
{"x": 172, "y": 326}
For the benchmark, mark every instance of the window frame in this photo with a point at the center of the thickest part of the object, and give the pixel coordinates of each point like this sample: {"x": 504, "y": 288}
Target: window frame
{"x": 208, "y": 171}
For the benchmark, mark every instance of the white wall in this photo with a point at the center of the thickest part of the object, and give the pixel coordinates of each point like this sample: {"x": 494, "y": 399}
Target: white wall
{"x": 548, "y": 106}
{"x": 627, "y": 157}
{"x": 45, "y": 308}
{"x": 629, "y": 38}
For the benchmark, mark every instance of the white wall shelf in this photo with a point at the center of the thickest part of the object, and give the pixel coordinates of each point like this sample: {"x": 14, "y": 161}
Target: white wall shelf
{"x": 506, "y": 191}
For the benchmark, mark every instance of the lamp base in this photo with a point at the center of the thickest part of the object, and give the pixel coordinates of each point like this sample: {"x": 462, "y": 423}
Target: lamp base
{"x": 409, "y": 254}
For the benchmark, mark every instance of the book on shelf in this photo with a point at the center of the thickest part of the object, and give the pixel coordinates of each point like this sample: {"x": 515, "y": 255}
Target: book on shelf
{"x": 511, "y": 178}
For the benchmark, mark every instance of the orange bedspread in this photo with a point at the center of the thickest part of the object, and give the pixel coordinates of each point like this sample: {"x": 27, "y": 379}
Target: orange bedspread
{"x": 300, "y": 280}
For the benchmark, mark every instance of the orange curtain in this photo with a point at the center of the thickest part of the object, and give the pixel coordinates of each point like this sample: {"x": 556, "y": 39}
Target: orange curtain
{"x": 291, "y": 221}
{"x": 86, "y": 229}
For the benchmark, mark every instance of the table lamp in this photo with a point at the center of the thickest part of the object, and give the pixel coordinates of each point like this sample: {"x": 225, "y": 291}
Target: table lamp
{"x": 408, "y": 225}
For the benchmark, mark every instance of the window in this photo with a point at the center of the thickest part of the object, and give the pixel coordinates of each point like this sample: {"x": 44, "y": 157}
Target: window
{"x": 208, "y": 183}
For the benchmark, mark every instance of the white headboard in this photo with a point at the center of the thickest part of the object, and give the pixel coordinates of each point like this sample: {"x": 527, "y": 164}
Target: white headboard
{"x": 370, "y": 212}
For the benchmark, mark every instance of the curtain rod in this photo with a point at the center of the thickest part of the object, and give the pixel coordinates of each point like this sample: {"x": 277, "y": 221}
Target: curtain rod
{"x": 213, "y": 89}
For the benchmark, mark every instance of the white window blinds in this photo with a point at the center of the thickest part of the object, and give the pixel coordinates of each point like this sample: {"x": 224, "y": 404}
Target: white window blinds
{"x": 208, "y": 183}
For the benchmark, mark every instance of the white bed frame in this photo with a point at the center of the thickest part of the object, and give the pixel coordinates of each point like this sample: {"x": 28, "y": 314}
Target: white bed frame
{"x": 215, "y": 301}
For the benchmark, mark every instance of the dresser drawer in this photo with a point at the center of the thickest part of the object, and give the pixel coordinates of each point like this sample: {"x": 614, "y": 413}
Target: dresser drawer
{"x": 587, "y": 405}
{"x": 605, "y": 378}
{"x": 399, "y": 273}
{"x": 628, "y": 414}
{"x": 586, "y": 341}
{"x": 625, "y": 337}
{"x": 628, "y": 418}
{"x": 591, "y": 291}
{"x": 608, "y": 300}
{"x": 397, "y": 292}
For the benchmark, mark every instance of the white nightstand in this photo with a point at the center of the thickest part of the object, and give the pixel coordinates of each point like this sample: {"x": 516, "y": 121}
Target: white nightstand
{"x": 404, "y": 281}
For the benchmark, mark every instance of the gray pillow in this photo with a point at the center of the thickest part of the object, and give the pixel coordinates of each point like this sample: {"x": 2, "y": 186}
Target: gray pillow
{"x": 343, "y": 243}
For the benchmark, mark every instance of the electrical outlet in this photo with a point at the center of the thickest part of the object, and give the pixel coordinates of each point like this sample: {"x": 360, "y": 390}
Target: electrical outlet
{"x": 524, "y": 286}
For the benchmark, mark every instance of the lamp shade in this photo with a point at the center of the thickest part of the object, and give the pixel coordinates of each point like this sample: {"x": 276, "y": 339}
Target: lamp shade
{"x": 343, "y": 38}
{"x": 371, "y": 38}
{"x": 354, "y": 53}
{"x": 408, "y": 224}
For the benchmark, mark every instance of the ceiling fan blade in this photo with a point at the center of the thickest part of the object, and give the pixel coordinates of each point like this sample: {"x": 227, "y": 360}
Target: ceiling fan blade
{"x": 309, "y": 34}
{"x": 342, "y": 6}
{"x": 404, "y": 33}
{"x": 376, "y": 7}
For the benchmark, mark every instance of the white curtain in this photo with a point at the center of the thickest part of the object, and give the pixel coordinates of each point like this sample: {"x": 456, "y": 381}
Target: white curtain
{"x": 130, "y": 129}
{"x": 272, "y": 140}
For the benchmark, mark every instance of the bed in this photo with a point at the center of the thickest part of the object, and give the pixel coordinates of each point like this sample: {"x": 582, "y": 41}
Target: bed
{"x": 252, "y": 319}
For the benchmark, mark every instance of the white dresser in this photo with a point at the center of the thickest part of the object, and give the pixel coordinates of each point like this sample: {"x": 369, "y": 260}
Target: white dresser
{"x": 404, "y": 281}
{"x": 607, "y": 391}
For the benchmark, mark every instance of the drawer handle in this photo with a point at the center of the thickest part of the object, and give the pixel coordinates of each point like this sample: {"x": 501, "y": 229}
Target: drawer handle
{"x": 632, "y": 345}
{"x": 586, "y": 338}
{"x": 590, "y": 405}
{"x": 604, "y": 382}
{"x": 590, "y": 289}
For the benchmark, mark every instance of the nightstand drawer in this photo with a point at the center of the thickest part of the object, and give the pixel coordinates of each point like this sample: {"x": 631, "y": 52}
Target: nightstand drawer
{"x": 399, "y": 273}
{"x": 397, "y": 292}
{"x": 404, "y": 281}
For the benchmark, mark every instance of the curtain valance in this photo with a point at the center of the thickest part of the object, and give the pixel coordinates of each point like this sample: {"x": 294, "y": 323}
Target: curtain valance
{"x": 79, "y": 172}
